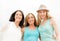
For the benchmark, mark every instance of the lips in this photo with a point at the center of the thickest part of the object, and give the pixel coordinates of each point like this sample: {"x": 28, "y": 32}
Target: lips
{"x": 18, "y": 18}
{"x": 42, "y": 15}
{"x": 31, "y": 21}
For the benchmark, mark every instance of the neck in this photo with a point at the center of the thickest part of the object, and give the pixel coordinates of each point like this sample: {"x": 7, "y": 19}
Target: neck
{"x": 44, "y": 19}
{"x": 31, "y": 26}
{"x": 16, "y": 23}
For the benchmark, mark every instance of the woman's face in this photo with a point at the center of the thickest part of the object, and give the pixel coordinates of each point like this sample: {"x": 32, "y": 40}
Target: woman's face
{"x": 42, "y": 14}
{"x": 18, "y": 16}
{"x": 31, "y": 19}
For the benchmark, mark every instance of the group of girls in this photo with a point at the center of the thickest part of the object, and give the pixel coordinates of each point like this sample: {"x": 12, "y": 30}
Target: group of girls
{"x": 30, "y": 28}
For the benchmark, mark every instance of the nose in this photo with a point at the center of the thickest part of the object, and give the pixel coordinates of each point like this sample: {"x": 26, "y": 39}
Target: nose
{"x": 42, "y": 13}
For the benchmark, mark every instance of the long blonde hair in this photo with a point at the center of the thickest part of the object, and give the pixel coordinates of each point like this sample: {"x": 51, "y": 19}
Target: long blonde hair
{"x": 26, "y": 20}
{"x": 39, "y": 18}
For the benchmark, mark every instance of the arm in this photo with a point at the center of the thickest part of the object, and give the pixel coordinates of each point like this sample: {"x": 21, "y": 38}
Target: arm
{"x": 56, "y": 29}
{"x": 22, "y": 30}
{"x": 2, "y": 31}
{"x": 4, "y": 28}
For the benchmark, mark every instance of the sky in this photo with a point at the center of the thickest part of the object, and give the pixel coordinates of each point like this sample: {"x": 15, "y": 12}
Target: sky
{"x": 7, "y": 7}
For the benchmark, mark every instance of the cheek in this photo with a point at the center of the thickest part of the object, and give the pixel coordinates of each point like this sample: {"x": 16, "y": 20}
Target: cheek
{"x": 33, "y": 19}
{"x": 45, "y": 14}
{"x": 28, "y": 21}
{"x": 39, "y": 14}
{"x": 20, "y": 17}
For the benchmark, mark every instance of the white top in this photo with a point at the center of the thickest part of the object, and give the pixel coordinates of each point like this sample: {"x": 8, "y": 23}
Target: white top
{"x": 12, "y": 33}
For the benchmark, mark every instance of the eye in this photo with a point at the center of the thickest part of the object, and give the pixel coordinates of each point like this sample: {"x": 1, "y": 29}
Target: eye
{"x": 32, "y": 17}
{"x": 20, "y": 14}
{"x": 16, "y": 14}
{"x": 39, "y": 12}
{"x": 28, "y": 17}
{"x": 43, "y": 11}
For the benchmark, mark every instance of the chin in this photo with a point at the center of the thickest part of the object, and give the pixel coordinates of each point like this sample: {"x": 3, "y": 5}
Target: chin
{"x": 31, "y": 23}
{"x": 42, "y": 17}
{"x": 18, "y": 20}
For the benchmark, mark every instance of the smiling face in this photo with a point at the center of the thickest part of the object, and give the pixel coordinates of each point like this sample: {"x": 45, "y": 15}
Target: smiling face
{"x": 42, "y": 14}
{"x": 30, "y": 19}
{"x": 18, "y": 16}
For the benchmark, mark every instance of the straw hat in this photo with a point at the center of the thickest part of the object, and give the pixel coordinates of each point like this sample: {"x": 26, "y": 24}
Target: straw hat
{"x": 42, "y": 7}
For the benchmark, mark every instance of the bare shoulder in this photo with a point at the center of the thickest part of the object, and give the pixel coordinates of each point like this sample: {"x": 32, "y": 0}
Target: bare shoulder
{"x": 53, "y": 23}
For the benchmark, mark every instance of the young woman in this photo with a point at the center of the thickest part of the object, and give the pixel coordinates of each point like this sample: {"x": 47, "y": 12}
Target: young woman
{"x": 12, "y": 31}
{"x": 30, "y": 30}
{"x": 47, "y": 25}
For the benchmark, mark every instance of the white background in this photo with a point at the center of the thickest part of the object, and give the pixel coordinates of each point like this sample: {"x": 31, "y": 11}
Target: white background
{"x": 7, "y": 7}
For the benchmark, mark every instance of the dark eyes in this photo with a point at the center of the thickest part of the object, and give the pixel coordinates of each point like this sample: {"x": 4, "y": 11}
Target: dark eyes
{"x": 30, "y": 17}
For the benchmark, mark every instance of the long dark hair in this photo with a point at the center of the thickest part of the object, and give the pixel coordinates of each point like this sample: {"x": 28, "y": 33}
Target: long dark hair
{"x": 12, "y": 19}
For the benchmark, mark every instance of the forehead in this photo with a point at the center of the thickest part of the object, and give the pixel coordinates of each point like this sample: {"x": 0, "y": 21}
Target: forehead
{"x": 30, "y": 15}
{"x": 42, "y": 11}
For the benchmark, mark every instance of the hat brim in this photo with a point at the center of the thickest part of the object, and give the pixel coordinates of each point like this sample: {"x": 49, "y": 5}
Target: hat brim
{"x": 43, "y": 10}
